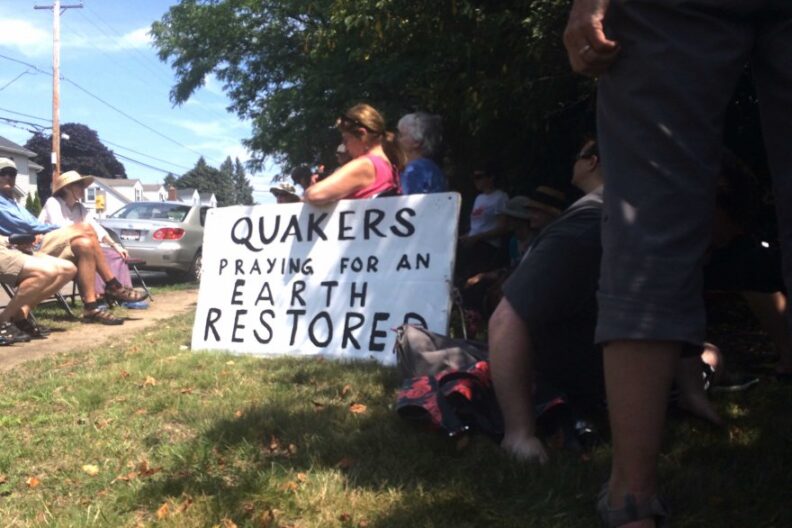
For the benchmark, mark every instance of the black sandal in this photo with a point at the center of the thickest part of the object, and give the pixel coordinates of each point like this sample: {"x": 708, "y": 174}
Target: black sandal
{"x": 101, "y": 316}
{"x": 652, "y": 508}
{"x": 10, "y": 334}
{"x": 32, "y": 329}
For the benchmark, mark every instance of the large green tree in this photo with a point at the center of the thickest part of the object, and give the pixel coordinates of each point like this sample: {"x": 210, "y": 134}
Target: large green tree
{"x": 207, "y": 179}
{"x": 243, "y": 190}
{"x": 495, "y": 71}
{"x": 82, "y": 151}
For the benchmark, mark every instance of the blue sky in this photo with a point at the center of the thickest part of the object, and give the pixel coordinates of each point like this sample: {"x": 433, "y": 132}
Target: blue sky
{"x": 106, "y": 51}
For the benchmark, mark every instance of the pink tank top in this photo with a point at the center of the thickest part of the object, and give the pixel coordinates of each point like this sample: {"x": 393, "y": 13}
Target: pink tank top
{"x": 385, "y": 177}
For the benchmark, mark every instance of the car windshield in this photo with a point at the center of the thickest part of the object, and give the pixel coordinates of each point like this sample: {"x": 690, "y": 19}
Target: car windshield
{"x": 153, "y": 211}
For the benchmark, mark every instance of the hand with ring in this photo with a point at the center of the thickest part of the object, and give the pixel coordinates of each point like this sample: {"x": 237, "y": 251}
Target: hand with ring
{"x": 590, "y": 51}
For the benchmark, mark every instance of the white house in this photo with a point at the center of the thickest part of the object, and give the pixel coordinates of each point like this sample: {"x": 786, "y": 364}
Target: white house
{"x": 154, "y": 192}
{"x": 27, "y": 170}
{"x": 114, "y": 193}
{"x": 191, "y": 196}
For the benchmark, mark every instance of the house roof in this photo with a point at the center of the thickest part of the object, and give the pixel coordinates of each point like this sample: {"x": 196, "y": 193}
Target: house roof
{"x": 206, "y": 196}
{"x": 106, "y": 183}
{"x": 116, "y": 182}
{"x": 186, "y": 194}
{"x": 10, "y": 146}
{"x": 152, "y": 186}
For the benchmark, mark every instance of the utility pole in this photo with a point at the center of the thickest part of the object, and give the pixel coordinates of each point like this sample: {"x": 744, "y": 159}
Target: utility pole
{"x": 57, "y": 11}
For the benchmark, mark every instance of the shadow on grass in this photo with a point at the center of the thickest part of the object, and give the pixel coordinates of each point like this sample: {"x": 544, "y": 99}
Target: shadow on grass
{"x": 407, "y": 477}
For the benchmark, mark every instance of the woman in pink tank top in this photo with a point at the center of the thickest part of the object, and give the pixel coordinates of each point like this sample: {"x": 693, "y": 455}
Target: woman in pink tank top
{"x": 376, "y": 162}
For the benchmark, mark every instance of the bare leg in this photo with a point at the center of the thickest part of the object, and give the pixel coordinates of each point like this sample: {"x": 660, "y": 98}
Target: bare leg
{"x": 511, "y": 358}
{"x": 41, "y": 277}
{"x": 770, "y": 309}
{"x": 638, "y": 376}
{"x": 86, "y": 267}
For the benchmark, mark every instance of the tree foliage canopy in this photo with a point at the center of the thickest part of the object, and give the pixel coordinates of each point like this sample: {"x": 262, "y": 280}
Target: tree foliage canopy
{"x": 495, "y": 71}
{"x": 83, "y": 152}
{"x": 207, "y": 179}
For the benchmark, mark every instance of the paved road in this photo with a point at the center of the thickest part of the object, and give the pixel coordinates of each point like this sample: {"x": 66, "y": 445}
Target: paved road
{"x": 165, "y": 306}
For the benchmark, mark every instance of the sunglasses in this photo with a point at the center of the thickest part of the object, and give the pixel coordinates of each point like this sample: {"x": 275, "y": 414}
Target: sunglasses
{"x": 11, "y": 173}
{"x": 344, "y": 121}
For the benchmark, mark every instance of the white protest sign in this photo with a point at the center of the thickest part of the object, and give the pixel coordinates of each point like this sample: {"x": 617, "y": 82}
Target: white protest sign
{"x": 296, "y": 279}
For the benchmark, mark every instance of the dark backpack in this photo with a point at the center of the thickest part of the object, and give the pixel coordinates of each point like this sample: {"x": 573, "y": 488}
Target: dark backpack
{"x": 421, "y": 352}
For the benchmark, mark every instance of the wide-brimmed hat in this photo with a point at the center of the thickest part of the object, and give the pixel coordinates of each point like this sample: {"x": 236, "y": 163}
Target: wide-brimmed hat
{"x": 286, "y": 189}
{"x": 68, "y": 178}
{"x": 543, "y": 198}
{"x": 6, "y": 163}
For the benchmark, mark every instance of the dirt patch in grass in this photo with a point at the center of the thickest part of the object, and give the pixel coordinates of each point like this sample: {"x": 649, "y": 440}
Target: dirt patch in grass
{"x": 81, "y": 336}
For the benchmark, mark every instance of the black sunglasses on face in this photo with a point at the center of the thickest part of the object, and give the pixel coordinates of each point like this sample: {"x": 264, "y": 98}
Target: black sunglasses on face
{"x": 8, "y": 172}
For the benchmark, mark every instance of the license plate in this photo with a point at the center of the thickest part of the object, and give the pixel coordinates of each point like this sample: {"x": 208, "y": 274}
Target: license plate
{"x": 130, "y": 234}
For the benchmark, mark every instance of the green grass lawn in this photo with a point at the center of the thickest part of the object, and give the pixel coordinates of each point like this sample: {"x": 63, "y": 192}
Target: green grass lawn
{"x": 144, "y": 432}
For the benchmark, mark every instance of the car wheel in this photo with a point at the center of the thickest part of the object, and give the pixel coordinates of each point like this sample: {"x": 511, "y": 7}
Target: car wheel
{"x": 193, "y": 274}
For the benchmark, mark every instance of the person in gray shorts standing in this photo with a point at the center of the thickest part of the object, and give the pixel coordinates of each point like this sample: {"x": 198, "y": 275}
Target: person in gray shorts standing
{"x": 667, "y": 70}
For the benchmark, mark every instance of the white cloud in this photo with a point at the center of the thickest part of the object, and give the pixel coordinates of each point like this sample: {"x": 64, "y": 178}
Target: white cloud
{"x": 24, "y": 37}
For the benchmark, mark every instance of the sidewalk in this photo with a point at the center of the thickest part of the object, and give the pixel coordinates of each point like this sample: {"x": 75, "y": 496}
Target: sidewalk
{"x": 165, "y": 306}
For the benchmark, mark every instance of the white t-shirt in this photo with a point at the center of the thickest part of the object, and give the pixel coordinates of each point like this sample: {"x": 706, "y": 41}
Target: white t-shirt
{"x": 56, "y": 212}
{"x": 484, "y": 215}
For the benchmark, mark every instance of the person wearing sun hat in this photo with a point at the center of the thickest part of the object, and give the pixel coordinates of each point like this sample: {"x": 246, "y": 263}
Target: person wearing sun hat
{"x": 285, "y": 193}
{"x": 64, "y": 208}
{"x": 78, "y": 243}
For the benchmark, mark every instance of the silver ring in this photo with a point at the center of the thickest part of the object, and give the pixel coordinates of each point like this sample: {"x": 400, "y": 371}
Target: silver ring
{"x": 584, "y": 49}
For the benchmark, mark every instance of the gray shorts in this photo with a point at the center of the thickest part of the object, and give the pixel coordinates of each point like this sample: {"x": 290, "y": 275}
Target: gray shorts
{"x": 661, "y": 111}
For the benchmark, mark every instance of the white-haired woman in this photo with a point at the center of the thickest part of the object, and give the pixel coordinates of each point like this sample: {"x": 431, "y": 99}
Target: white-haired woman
{"x": 420, "y": 135}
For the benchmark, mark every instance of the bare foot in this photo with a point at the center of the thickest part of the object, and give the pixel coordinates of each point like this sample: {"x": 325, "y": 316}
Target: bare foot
{"x": 699, "y": 405}
{"x": 525, "y": 448}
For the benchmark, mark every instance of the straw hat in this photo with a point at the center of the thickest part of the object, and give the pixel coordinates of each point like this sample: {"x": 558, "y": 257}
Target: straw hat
{"x": 70, "y": 177}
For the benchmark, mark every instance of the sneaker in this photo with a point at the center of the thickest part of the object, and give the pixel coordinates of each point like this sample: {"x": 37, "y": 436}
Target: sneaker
{"x": 102, "y": 317}
{"x": 138, "y": 305}
{"x": 11, "y": 334}
{"x": 32, "y": 329}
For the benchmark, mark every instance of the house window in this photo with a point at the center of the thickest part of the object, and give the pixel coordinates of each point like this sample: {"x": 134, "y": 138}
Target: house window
{"x": 138, "y": 195}
{"x": 90, "y": 194}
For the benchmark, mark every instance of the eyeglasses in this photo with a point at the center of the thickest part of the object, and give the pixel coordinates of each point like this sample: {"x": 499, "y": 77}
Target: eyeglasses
{"x": 585, "y": 154}
{"x": 9, "y": 172}
{"x": 344, "y": 121}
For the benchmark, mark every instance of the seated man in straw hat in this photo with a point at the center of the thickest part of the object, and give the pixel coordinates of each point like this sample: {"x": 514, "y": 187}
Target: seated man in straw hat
{"x": 35, "y": 278}
{"x": 77, "y": 243}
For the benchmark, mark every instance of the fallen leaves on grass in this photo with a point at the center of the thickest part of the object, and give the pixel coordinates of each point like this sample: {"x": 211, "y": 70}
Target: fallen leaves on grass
{"x": 357, "y": 408}
{"x": 302, "y": 477}
{"x": 344, "y": 517}
{"x": 163, "y": 511}
{"x": 150, "y": 381}
{"x": 239, "y": 414}
{"x": 227, "y": 523}
{"x": 290, "y": 486}
{"x": 186, "y": 390}
{"x": 3, "y": 478}
{"x": 33, "y": 482}
{"x": 345, "y": 390}
{"x": 91, "y": 469}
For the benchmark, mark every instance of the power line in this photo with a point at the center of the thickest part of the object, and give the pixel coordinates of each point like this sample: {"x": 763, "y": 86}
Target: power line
{"x": 78, "y": 144}
{"x": 110, "y": 106}
{"x": 101, "y": 139}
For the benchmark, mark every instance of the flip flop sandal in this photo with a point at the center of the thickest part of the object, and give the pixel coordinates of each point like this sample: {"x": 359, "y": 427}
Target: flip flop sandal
{"x": 102, "y": 317}
{"x": 632, "y": 511}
